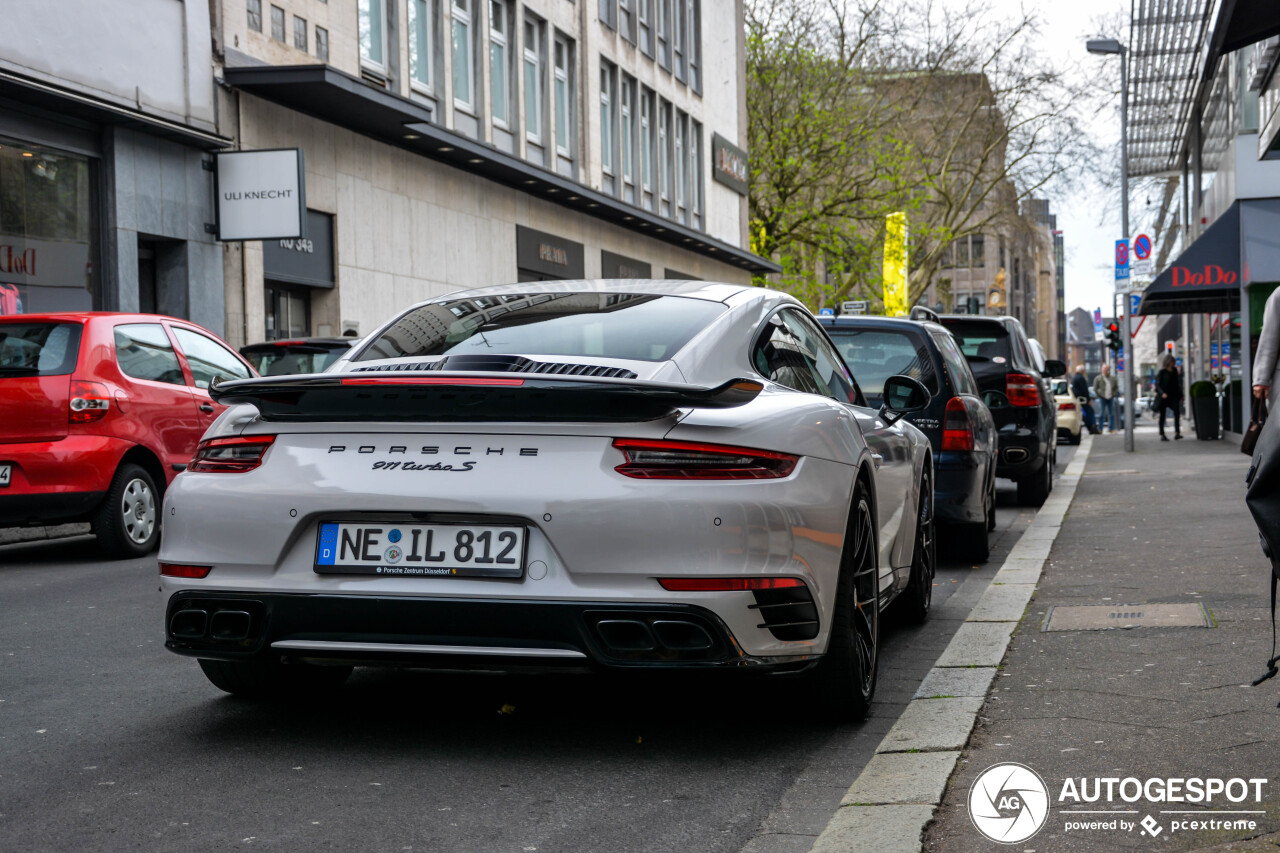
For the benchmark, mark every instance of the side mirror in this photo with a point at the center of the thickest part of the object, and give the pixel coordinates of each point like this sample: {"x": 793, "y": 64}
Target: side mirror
{"x": 902, "y": 396}
{"x": 1054, "y": 368}
{"x": 996, "y": 400}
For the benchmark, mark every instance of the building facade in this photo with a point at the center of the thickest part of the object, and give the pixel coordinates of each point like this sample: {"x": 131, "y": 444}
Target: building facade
{"x": 107, "y": 118}
{"x": 460, "y": 143}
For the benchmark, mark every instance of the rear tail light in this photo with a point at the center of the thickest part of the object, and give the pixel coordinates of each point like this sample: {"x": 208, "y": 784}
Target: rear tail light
{"x": 727, "y": 584}
{"x": 1066, "y": 407}
{"x": 1022, "y": 390}
{"x": 687, "y": 460}
{"x": 957, "y": 429}
{"x": 176, "y": 570}
{"x": 233, "y": 455}
{"x": 90, "y": 401}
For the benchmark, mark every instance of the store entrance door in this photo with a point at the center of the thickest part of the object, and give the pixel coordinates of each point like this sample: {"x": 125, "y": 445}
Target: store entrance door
{"x": 288, "y": 311}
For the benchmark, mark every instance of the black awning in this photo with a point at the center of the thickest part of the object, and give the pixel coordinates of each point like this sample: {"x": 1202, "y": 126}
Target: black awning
{"x": 1241, "y": 23}
{"x": 328, "y": 94}
{"x": 1205, "y": 278}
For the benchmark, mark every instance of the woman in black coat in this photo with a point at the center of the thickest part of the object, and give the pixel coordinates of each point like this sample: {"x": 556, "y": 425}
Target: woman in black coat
{"x": 1169, "y": 395}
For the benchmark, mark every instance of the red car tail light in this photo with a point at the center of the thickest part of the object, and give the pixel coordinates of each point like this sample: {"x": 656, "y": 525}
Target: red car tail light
{"x": 687, "y": 460}
{"x": 175, "y": 570}
{"x": 232, "y": 455}
{"x": 727, "y": 584}
{"x": 90, "y": 401}
{"x": 1066, "y": 407}
{"x": 1022, "y": 390}
{"x": 957, "y": 430}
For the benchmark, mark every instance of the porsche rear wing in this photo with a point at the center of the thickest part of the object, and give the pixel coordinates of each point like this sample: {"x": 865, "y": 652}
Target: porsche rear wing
{"x": 472, "y": 396}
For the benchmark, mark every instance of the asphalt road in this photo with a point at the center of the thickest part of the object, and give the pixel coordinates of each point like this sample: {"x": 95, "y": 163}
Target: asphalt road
{"x": 108, "y": 742}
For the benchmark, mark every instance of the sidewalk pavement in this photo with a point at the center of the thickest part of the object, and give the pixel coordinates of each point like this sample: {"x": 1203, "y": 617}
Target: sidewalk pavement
{"x": 1166, "y": 524}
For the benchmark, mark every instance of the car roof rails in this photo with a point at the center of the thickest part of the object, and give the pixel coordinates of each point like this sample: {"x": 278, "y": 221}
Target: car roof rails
{"x": 921, "y": 313}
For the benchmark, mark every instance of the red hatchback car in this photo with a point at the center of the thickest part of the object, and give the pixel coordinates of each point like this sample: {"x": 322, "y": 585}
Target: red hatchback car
{"x": 98, "y": 413}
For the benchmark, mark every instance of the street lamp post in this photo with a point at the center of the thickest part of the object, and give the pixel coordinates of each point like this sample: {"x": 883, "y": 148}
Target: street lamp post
{"x": 1130, "y": 386}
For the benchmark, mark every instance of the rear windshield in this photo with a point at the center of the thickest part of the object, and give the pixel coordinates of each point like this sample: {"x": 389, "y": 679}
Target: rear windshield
{"x": 278, "y": 361}
{"x": 982, "y": 343}
{"x": 876, "y": 354}
{"x": 38, "y": 349}
{"x": 602, "y": 325}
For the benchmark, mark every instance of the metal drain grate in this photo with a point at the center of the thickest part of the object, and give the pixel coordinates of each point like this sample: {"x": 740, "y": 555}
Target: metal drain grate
{"x": 1100, "y": 617}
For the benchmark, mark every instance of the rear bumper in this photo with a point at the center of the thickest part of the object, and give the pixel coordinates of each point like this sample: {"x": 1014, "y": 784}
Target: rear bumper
{"x": 450, "y": 633}
{"x": 960, "y": 488}
{"x": 58, "y": 480}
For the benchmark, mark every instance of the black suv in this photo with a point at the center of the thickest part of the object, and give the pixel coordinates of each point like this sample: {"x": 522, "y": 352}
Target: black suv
{"x": 956, "y": 421}
{"x": 1003, "y": 361}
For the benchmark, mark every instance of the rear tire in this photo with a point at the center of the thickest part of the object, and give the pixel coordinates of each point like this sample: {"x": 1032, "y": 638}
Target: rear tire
{"x": 918, "y": 595}
{"x": 1074, "y": 438}
{"x": 843, "y": 683}
{"x": 1034, "y": 490}
{"x": 127, "y": 522}
{"x": 269, "y": 679}
{"x": 971, "y": 540}
{"x": 991, "y": 508}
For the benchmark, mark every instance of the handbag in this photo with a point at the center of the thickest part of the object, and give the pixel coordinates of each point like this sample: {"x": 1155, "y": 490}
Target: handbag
{"x": 1257, "y": 419}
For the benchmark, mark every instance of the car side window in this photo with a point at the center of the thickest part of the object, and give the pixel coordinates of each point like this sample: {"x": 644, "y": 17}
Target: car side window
{"x": 780, "y": 355}
{"x": 828, "y": 368}
{"x": 143, "y": 351}
{"x": 957, "y": 368}
{"x": 208, "y": 358}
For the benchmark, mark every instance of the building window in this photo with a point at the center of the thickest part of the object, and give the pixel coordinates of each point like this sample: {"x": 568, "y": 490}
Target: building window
{"x": 979, "y": 250}
{"x": 627, "y": 96}
{"x": 664, "y": 32}
{"x": 421, "y": 42}
{"x": 679, "y": 19}
{"x": 322, "y": 44}
{"x": 644, "y": 14}
{"x": 664, "y": 156}
{"x": 607, "y": 74}
{"x": 300, "y": 33}
{"x": 678, "y": 163}
{"x": 646, "y": 142}
{"x": 277, "y": 23}
{"x": 695, "y": 172}
{"x": 254, "y": 8}
{"x": 564, "y": 96}
{"x": 499, "y": 63}
{"x": 627, "y": 20}
{"x": 372, "y": 33}
{"x": 533, "y": 80}
{"x": 463, "y": 72}
{"x": 693, "y": 36}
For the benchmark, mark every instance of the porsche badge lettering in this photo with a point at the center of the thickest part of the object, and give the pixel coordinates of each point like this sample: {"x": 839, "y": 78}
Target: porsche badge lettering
{"x": 431, "y": 450}
{"x": 414, "y": 466}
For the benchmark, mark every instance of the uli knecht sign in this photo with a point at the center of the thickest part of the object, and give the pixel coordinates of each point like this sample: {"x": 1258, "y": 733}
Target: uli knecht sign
{"x": 261, "y": 194}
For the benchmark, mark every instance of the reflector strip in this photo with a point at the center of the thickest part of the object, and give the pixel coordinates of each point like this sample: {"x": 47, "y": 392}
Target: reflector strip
{"x": 727, "y": 584}
{"x": 175, "y": 570}
{"x": 433, "y": 380}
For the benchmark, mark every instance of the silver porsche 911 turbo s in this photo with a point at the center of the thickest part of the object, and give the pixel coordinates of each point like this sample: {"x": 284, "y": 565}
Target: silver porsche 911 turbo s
{"x": 599, "y": 474}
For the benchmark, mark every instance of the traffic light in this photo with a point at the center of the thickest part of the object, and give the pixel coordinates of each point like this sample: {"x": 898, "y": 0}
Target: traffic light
{"x": 1113, "y": 337}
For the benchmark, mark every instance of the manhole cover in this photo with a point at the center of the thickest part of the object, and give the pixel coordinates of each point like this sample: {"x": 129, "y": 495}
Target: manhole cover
{"x": 1097, "y": 617}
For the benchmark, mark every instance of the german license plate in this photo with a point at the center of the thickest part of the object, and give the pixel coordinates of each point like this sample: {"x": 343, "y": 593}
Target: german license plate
{"x": 428, "y": 550}
{"x": 6, "y": 473}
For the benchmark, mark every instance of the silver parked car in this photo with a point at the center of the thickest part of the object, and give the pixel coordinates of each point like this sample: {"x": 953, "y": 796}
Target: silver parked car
{"x": 601, "y": 474}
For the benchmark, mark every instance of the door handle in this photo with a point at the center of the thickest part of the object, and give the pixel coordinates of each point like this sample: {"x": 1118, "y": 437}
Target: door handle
{"x": 207, "y": 408}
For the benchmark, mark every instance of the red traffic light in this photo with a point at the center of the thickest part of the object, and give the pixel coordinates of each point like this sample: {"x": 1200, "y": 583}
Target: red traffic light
{"x": 1113, "y": 327}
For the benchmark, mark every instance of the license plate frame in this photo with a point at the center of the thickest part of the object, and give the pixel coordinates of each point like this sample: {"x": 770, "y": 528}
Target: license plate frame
{"x": 344, "y": 539}
{"x": 6, "y": 474}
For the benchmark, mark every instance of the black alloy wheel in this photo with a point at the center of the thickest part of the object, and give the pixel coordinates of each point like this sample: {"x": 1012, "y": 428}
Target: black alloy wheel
{"x": 924, "y": 558}
{"x": 844, "y": 681}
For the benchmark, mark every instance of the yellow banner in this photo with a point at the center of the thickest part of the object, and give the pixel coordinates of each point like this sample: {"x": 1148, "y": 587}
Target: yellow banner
{"x": 895, "y": 265}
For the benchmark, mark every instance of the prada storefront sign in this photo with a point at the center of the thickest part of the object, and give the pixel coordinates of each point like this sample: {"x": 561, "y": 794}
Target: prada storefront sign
{"x": 302, "y": 260}
{"x": 547, "y": 256}
{"x": 728, "y": 164}
{"x": 620, "y": 266}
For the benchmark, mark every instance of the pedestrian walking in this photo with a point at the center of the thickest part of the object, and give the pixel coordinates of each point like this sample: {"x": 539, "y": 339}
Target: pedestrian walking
{"x": 1106, "y": 387}
{"x": 1266, "y": 370}
{"x": 1080, "y": 390}
{"x": 1169, "y": 395}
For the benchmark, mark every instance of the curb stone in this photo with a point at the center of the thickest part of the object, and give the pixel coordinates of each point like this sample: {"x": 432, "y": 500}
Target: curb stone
{"x": 894, "y": 798}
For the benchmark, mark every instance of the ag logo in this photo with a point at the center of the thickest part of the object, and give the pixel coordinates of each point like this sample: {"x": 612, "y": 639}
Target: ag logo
{"x": 1008, "y": 803}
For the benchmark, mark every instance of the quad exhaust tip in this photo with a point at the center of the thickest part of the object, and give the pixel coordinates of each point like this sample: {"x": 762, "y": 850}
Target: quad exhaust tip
{"x": 1016, "y": 454}
{"x": 654, "y": 637}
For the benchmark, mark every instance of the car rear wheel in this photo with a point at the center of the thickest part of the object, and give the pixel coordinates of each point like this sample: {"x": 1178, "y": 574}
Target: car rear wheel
{"x": 844, "y": 681}
{"x": 991, "y": 507}
{"x": 1034, "y": 490}
{"x": 1074, "y": 438}
{"x": 971, "y": 541}
{"x": 919, "y": 592}
{"x": 267, "y": 679}
{"x": 127, "y": 523}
